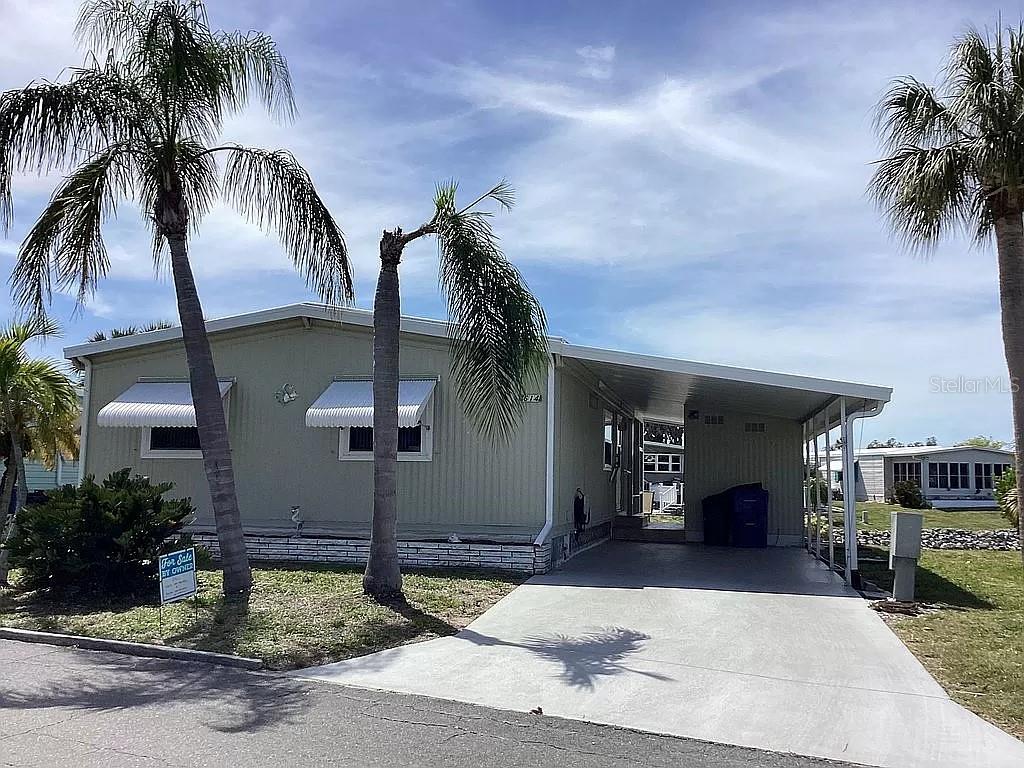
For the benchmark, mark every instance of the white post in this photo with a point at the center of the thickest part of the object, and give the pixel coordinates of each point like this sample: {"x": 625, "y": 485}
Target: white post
{"x": 849, "y": 495}
{"x": 828, "y": 495}
{"x": 807, "y": 510}
{"x": 817, "y": 492}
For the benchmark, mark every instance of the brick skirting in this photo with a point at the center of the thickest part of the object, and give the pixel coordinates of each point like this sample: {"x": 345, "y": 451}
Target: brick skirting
{"x": 527, "y": 558}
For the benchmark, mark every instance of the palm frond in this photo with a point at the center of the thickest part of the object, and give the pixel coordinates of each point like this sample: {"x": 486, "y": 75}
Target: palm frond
{"x": 110, "y": 25}
{"x": 19, "y": 332}
{"x": 912, "y": 113}
{"x": 271, "y": 189}
{"x": 252, "y": 62}
{"x": 66, "y": 242}
{"x": 497, "y": 328}
{"x": 925, "y": 192}
{"x": 49, "y": 125}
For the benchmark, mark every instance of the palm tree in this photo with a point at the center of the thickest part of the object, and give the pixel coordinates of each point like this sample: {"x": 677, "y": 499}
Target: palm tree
{"x": 497, "y": 340}
{"x": 143, "y": 124}
{"x": 39, "y": 411}
{"x": 118, "y": 333}
{"x": 955, "y": 162}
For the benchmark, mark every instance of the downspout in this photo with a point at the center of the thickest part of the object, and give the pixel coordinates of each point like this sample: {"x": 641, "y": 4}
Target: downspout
{"x": 83, "y": 440}
{"x": 851, "y": 571}
{"x": 549, "y": 468}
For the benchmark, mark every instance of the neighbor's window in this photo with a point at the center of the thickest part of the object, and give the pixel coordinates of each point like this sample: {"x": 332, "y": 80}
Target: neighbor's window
{"x": 985, "y": 475}
{"x": 664, "y": 464}
{"x": 906, "y": 471}
{"x": 171, "y": 443}
{"x": 676, "y": 463}
{"x": 948, "y": 476}
{"x": 650, "y": 462}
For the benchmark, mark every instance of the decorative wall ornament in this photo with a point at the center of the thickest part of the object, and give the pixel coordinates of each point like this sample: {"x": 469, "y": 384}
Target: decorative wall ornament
{"x": 286, "y": 394}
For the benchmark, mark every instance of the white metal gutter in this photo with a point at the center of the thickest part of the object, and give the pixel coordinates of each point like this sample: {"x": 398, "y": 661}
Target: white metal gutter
{"x": 549, "y": 466}
{"x": 83, "y": 440}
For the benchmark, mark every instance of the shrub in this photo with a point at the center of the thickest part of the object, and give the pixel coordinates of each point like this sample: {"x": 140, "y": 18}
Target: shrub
{"x": 98, "y": 537}
{"x": 822, "y": 490}
{"x": 909, "y": 495}
{"x": 1006, "y": 497}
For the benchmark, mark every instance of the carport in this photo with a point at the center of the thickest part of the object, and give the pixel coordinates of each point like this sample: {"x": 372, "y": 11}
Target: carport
{"x": 722, "y": 645}
{"x": 741, "y": 426}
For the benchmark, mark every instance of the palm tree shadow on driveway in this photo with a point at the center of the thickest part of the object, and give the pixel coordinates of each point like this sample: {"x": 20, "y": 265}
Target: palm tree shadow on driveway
{"x": 584, "y": 659}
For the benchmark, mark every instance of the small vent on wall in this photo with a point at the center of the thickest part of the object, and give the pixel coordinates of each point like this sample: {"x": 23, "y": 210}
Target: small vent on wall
{"x": 714, "y": 418}
{"x": 754, "y": 426}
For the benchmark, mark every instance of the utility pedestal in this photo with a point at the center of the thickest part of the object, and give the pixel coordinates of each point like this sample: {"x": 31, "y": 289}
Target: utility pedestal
{"x": 904, "y": 551}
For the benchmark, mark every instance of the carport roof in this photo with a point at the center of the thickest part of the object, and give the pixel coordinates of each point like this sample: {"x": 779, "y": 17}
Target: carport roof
{"x": 654, "y": 387}
{"x": 664, "y": 388}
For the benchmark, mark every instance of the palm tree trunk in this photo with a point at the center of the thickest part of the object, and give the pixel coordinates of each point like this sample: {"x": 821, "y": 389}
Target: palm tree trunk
{"x": 383, "y": 578}
{"x": 10, "y": 519}
{"x": 213, "y": 429}
{"x": 1010, "y": 247}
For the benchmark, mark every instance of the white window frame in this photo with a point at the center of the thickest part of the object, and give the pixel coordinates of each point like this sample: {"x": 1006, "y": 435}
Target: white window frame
{"x": 149, "y": 453}
{"x": 426, "y": 452}
{"x": 676, "y": 462}
{"x": 905, "y": 471}
{"x": 146, "y": 452}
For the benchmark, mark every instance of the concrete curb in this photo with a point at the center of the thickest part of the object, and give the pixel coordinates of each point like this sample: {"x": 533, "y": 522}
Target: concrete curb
{"x": 128, "y": 648}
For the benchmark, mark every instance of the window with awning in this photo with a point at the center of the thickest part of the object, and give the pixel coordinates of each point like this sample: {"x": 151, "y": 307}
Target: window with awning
{"x": 347, "y": 405}
{"x": 154, "y": 404}
{"x": 164, "y": 412}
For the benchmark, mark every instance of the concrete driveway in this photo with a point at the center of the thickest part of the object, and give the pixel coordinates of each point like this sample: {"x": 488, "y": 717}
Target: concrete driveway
{"x": 758, "y": 648}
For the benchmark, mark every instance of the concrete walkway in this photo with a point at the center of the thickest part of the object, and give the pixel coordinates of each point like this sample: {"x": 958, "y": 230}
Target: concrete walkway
{"x": 758, "y": 648}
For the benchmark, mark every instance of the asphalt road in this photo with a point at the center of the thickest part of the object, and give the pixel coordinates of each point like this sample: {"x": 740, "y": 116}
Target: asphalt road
{"x": 61, "y": 706}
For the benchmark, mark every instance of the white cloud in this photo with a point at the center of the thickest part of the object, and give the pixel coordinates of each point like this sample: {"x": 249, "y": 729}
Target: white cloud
{"x": 707, "y": 197}
{"x": 597, "y": 61}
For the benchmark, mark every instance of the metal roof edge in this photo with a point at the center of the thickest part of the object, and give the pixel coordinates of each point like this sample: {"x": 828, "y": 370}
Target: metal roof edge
{"x": 439, "y": 328}
{"x": 718, "y": 371}
{"x": 914, "y": 450}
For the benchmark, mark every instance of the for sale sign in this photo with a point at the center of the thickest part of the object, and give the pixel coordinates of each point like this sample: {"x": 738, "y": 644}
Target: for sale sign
{"x": 177, "y": 575}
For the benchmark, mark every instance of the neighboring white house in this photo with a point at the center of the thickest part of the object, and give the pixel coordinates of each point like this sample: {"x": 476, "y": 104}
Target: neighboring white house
{"x": 663, "y": 472}
{"x": 39, "y": 478}
{"x": 951, "y": 477}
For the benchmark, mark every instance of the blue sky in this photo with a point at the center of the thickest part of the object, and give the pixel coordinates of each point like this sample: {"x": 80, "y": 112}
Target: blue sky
{"x": 690, "y": 179}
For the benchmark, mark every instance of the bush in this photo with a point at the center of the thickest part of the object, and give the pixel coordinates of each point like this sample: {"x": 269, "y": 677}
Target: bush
{"x": 98, "y": 537}
{"x": 822, "y": 490}
{"x": 909, "y": 495}
{"x": 1006, "y": 497}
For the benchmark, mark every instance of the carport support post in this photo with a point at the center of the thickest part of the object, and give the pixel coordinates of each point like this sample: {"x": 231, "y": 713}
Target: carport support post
{"x": 828, "y": 495}
{"x": 849, "y": 499}
{"x": 817, "y": 492}
{"x": 807, "y": 506}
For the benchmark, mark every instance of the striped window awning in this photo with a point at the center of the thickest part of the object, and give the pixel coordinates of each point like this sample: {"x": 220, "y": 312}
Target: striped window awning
{"x": 154, "y": 404}
{"x": 350, "y": 404}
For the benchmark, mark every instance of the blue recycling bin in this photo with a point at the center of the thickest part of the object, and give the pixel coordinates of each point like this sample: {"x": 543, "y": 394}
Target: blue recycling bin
{"x": 737, "y": 517}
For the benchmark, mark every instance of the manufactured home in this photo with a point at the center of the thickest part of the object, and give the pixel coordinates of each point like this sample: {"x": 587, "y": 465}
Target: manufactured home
{"x": 296, "y": 389}
{"x": 950, "y": 477}
{"x": 663, "y": 473}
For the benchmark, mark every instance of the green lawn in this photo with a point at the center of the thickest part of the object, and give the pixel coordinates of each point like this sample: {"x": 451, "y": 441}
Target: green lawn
{"x": 294, "y": 617}
{"x": 878, "y": 518}
{"x": 973, "y": 644}
{"x": 663, "y": 519}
